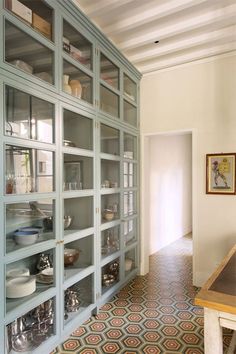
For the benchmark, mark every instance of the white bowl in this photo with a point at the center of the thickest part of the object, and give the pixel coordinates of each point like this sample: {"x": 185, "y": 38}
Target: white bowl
{"x": 26, "y": 238}
{"x": 18, "y": 272}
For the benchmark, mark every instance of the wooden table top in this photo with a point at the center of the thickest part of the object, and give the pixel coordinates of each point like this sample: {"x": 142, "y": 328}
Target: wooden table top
{"x": 219, "y": 292}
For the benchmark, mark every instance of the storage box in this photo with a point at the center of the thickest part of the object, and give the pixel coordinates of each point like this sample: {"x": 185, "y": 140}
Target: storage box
{"x": 41, "y": 25}
{"x": 20, "y": 9}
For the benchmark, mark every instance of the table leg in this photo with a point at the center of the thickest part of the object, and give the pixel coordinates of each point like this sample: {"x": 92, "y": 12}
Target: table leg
{"x": 213, "y": 340}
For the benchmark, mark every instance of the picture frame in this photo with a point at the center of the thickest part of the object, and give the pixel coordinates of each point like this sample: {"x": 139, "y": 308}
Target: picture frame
{"x": 220, "y": 173}
{"x": 73, "y": 175}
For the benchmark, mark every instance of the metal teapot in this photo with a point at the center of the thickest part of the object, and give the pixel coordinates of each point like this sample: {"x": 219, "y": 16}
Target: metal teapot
{"x": 43, "y": 262}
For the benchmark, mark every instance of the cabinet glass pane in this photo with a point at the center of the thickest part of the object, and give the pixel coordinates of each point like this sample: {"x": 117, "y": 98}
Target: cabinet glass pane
{"x": 77, "y": 298}
{"x": 28, "y": 117}
{"x": 130, "y": 114}
{"x": 78, "y": 255}
{"x": 38, "y": 277}
{"x": 130, "y": 146}
{"x": 130, "y": 231}
{"x": 110, "y": 275}
{"x": 31, "y": 218}
{"x": 77, "y": 45}
{"x": 110, "y": 207}
{"x": 110, "y": 174}
{"x": 78, "y": 172}
{"x": 28, "y": 170}
{"x": 29, "y": 331}
{"x": 34, "y": 13}
{"x": 130, "y": 175}
{"x": 130, "y": 88}
{"x": 110, "y": 140}
{"x": 77, "y": 83}
{"x": 130, "y": 203}
{"x": 109, "y": 72}
{"x": 109, "y": 102}
{"x": 110, "y": 241}
{"x": 78, "y": 131}
{"x": 130, "y": 261}
{"x": 26, "y": 54}
{"x": 81, "y": 212}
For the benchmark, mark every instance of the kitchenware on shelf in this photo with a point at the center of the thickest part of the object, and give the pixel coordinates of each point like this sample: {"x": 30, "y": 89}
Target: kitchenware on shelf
{"x": 69, "y": 143}
{"x": 71, "y": 256}
{"x": 45, "y": 276}
{"x": 67, "y": 221}
{"x": 76, "y": 88}
{"x": 72, "y": 301}
{"x": 114, "y": 268}
{"x": 20, "y": 286}
{"x": 44, "y": 262}
{"x": 39, "y": 229}
{"x": 48, "y": 222}
{"x": 17, "y": 272}
{"x": 66, "y": 86}
{"x": 22, "y": 342}
{"x": 44, "y": 76}
{"x": 108, "y": 214}
{"x": 26, "y": 238}
{"x": 128, "y": 264}
{"x": 108, "y": 279}
{"x": 22, "y": 65}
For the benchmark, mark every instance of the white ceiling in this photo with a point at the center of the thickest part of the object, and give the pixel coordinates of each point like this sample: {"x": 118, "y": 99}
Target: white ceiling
{"x": 187, "y": 30}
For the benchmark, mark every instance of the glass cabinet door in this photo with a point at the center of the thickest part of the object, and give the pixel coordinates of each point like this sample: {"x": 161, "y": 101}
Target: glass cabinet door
{"x": 130, "y": 174}
{"x": 109, "y": 100}
{"x": 109, "y": 72}
{"x": 37, "y": 14}
{"x": 76, "y": 45}
{"x": 76, "y": 83}
{"x": 27, "y": 54}
{"x": 28, "y": 223}
{"x": 109, "y": 140}
{"x": 130, "y": 146}
{"x": 28, "y": 117}
{"x": 77, "y": 130}
{"x": 130, "y": 88}
{"x": 130, "y": 113}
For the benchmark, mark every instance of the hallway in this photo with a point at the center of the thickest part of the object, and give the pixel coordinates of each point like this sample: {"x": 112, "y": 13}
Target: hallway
{"x": 151, "y": 315}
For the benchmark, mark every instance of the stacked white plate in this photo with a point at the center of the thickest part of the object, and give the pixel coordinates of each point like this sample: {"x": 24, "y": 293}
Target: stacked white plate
{"x": 45, "y": 276}
{"x": 20, "y": 286}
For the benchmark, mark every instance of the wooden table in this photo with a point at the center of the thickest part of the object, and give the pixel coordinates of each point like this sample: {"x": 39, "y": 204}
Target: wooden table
{"x": 218, "y": 297}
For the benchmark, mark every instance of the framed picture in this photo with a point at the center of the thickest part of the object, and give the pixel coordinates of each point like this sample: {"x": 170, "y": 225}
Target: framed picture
{"x": 72, "y": 175}
{"x": 220, "y": 173}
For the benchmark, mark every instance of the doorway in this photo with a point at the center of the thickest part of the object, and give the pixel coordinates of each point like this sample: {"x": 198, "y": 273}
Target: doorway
{"x": 166, "y": 199}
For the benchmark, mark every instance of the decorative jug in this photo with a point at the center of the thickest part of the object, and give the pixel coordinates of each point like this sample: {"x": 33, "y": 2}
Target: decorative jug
{"x": 66, "y": 86}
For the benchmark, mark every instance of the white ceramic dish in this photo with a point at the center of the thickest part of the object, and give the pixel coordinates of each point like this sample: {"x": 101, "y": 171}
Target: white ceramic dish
{"x": 48, "y": 272}
{"x": 16, "y": 272}
{"x": 20, "y": 287}
{"x": 26, "y": 238}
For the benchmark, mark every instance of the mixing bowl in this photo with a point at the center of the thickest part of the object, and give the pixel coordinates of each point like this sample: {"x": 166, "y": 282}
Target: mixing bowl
{"x": 71, "y": 255}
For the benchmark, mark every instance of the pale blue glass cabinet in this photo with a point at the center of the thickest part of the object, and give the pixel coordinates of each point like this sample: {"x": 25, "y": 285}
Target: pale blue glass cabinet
{"x": 69, "y": 205}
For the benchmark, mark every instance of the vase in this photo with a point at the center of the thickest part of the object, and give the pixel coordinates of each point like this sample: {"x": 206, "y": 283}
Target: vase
{"x": 66, "y": 86}
{"x": 76, "y": 88}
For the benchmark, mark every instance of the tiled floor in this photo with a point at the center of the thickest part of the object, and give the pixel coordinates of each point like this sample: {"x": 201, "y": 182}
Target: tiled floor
{"x": 151, "y": 315}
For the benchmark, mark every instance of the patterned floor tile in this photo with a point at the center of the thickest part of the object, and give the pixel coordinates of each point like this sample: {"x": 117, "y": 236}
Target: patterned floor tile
{"x": 154, "y": 314}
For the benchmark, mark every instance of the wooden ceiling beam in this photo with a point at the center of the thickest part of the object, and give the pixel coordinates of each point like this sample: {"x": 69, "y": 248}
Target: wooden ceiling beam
{"x": 227, "y": 34}
{"x": 180, "y": 27}
{"x": 140, "y": 17}
{"x": 186, "y": 58}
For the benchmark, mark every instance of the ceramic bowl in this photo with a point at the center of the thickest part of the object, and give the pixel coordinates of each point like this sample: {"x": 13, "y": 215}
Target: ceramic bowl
{"x": 108, "y": 215}
{"x": 71, "y": 255}
{"x": 25, "y": 238}
{"x": 39, "y": 229}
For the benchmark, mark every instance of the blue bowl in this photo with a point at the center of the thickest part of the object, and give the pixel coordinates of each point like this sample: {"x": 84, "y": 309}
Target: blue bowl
{"x": 25, "y": 233}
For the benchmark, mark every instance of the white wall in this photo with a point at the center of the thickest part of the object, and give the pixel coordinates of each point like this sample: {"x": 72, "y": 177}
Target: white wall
{"x": 170, "y": 177}
{"x": 200, "y": 98}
